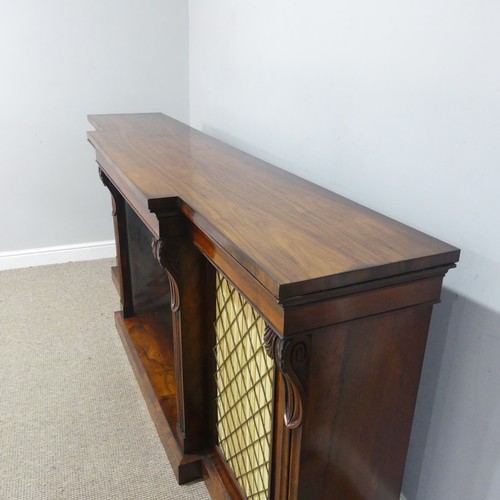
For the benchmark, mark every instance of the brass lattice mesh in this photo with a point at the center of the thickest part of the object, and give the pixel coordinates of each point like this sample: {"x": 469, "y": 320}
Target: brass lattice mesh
{"x": 244, "y": 390}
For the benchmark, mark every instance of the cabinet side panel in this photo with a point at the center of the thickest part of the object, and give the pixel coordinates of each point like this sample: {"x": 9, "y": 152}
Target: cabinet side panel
{"x": 362, "y": 391}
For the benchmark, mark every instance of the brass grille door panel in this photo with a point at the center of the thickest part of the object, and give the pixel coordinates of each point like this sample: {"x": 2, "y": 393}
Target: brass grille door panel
{"x": 244, "y": 378}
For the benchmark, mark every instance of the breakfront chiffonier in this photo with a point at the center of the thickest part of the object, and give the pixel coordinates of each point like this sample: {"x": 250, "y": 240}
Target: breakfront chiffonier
{"x": 276, "y": 329}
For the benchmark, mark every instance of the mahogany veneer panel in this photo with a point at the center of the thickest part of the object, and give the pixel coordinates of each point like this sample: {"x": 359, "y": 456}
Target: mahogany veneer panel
{"x": 148, "y": 344}
{"x": 293, "y": 236}
{"x": 372, "y": 385}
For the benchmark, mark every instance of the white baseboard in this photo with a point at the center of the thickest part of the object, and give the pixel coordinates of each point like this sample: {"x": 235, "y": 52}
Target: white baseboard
{"x": 57, "y": 255}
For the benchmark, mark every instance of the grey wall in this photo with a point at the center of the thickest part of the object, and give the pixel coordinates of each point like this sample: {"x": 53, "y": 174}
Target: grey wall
{"x": 61, "y": 60}
{"x": 395, "y": 105}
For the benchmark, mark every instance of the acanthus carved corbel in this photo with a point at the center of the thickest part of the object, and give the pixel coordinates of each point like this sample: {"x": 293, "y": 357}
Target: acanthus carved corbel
{"x": 168, "y": 255}
{"x": 291, "y": 356}
{"x": 112, "y": 189}
{"x": 103, "y": 177}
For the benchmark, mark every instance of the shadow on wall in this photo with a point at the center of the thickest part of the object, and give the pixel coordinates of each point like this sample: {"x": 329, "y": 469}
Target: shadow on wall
{"x": 455, "y": 443}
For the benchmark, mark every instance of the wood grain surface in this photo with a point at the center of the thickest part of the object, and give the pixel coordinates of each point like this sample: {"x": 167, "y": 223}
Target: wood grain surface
{"x": 293, "y": 236}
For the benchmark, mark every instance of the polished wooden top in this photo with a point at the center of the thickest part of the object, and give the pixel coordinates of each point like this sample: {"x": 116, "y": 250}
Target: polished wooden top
{"x": 293, "y": 236}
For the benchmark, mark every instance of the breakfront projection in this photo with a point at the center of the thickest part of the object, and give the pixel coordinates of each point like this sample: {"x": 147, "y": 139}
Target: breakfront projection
{"x": 276, "y": 329}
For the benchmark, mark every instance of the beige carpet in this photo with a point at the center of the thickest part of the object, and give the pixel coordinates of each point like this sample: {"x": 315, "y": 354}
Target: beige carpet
{"x": 73, "y": 424}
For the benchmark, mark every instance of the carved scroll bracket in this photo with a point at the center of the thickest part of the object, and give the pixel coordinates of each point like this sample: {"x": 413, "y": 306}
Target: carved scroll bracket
{"x": 103, "y": 177}
{"x": 111, "y": 188}
{"x": 168, "y": 255}
{"x": 291, "y": 356}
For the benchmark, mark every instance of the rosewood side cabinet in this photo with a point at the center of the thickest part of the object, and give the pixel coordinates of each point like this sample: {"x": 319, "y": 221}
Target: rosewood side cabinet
{"x": 276, "y": 329}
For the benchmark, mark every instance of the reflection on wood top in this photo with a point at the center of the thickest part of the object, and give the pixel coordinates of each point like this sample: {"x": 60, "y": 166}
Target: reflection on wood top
{"x": 291, "y": 235}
